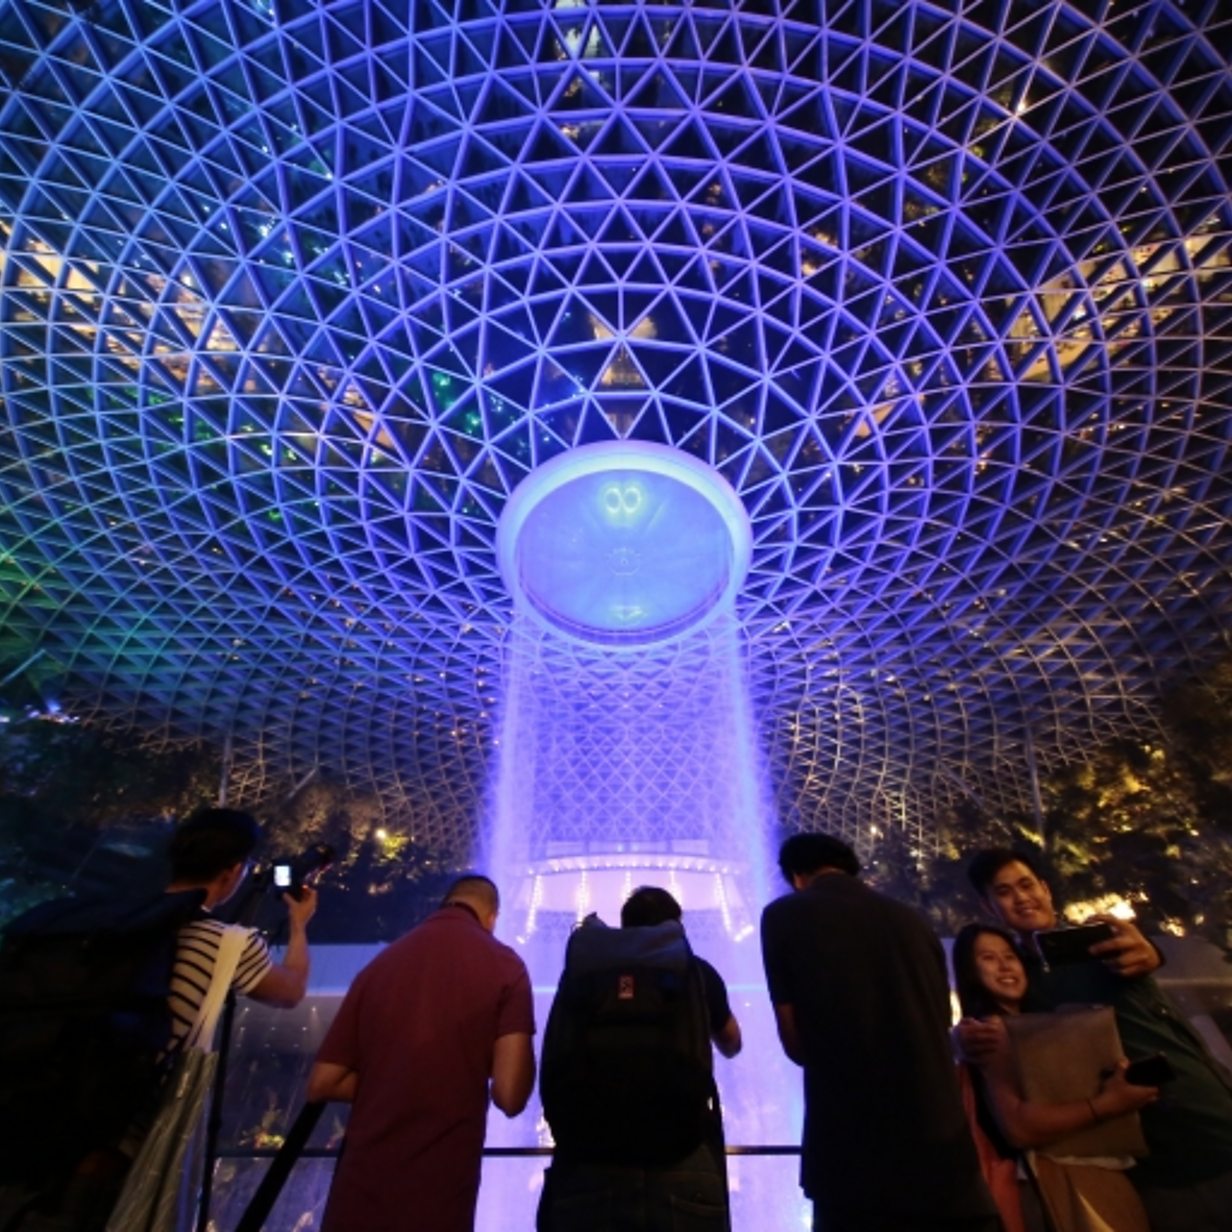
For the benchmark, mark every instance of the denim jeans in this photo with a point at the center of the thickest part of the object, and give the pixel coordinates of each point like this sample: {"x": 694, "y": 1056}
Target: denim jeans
{"x": 689, "y": 1196}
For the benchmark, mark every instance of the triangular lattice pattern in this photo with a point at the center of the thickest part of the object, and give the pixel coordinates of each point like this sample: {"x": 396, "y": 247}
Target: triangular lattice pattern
{"x": 294, "y": 294}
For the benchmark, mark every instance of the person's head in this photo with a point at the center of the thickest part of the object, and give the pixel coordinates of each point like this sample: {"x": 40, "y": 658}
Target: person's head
{"x": 806, "y": 856}
{"x": 988, "y": 973}
{"x": 1012, "y": 889}
{"x": 648, "y": 905}
{"x": 477, "y": 892}
{"x": 210, "y": 850}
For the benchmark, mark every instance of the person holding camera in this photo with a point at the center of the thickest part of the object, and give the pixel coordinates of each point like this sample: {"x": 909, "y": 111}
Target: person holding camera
{"x": 99, "y": 994}
{"x": 1186, "y": 1179}
{"x": 211, "y": 852}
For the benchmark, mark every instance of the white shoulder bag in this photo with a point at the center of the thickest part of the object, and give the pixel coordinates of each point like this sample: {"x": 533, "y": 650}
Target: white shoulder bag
{"x": 150, "y": 1200}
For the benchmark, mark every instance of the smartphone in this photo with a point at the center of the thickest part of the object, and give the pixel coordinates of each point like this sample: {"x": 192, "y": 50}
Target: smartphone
{"x": 283, "y": 877}
{"x": 1069, "y": 945}
{"x": 1150, "y": 1071}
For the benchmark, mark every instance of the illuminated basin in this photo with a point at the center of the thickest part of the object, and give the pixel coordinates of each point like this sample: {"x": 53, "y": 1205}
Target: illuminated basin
{"x": 601, "y": 881}
{"x": 623, "y": 543}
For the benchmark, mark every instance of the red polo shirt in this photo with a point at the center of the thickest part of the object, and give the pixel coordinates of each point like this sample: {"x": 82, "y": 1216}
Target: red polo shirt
{"x": 418, "y": 1026}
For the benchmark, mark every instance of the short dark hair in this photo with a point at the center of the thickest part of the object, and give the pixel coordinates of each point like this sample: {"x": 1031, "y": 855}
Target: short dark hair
{"x": 474, "y": 888}
{"x": 806, "y": 853}
{"x": 986, "y": 864}
{"x": 211, "y": 841}
{"x": 974, "y": 999}
{"x": 648, "y": 905}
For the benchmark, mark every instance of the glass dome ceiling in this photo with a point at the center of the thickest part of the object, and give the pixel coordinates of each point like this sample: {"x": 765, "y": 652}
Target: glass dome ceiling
{"x": 294, "y": 295}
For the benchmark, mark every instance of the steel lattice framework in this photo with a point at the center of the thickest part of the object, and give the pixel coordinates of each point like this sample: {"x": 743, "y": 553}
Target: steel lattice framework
{"x": 294, "y": 294}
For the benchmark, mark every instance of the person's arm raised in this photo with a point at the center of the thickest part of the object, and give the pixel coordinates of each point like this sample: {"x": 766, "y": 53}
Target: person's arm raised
{"x": 285, "y": 983}
{"x": 1128, "y": 953}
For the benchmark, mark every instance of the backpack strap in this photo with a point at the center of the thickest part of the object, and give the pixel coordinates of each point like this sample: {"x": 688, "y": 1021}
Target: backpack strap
{"x": 226, "y": 961}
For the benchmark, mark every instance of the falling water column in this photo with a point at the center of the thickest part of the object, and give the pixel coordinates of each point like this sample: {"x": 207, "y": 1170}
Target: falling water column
{"x": 626, "y": 755}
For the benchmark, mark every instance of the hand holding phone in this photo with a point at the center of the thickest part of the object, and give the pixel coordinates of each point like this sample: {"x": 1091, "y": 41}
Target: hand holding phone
{"x": 1070, "y": 945}
{"x": 1150, "y": 1071}
{"x": 1128, "y": 953}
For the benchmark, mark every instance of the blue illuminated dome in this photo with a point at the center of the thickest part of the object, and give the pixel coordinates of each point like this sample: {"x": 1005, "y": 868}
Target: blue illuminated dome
{"x": 296, "y": 295}
{"x": 624, "y": 543}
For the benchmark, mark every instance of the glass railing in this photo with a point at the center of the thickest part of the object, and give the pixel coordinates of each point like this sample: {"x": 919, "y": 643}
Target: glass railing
{"x": 508, "y": 1195}
{"x": 272, "y": 1050}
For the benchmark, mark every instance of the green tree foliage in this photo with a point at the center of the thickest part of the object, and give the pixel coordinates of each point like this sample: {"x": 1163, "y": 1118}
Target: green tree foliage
{"x": 90, "y": 777}
{"x": 1127, "y": 823}
{"x": 383, "y": 880}
{"x": 1198, "y": 714}
{"x": 85, "y": 810}
{"x": 1147, "y": 822}
{"x": 81, "y": 808}
{"x": 1153, "y": 821}
{"x": 934, "y": 880}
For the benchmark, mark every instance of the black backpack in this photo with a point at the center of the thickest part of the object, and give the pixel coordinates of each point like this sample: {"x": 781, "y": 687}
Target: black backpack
{"x": 84, "y": 1026}
{"x": 627, "y": 1072}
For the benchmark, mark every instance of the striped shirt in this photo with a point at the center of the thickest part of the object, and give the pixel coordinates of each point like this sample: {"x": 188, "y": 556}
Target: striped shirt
{"x": 194, "y": 967}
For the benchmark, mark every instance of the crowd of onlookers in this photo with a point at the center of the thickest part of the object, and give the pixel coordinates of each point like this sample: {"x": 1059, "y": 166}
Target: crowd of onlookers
{"x": 1072, "y": 1096}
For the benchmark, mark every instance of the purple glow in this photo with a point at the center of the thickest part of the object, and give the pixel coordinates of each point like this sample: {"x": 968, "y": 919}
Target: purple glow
{"x": 623, "y": 543}
{"x": 639, "y": 766}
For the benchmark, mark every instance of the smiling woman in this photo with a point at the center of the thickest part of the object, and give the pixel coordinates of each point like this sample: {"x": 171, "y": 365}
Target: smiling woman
{"x": 1015, "y": 1130}
{"x": 1000, "y": 970}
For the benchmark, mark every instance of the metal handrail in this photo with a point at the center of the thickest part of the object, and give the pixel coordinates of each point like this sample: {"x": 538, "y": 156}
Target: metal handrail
{"x": 284, "y": 1158}
{"x": 490, "y": 1152}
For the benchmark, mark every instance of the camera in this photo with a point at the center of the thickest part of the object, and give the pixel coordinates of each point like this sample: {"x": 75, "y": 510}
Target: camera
{"x": 290, "y": 876}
